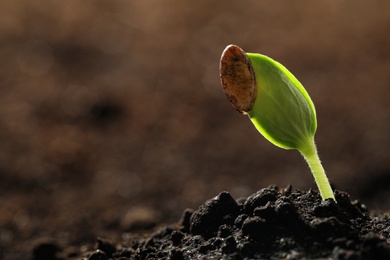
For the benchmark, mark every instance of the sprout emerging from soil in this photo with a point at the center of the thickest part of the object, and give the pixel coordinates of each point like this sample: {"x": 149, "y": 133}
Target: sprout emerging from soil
{"x": 276, "y": 103}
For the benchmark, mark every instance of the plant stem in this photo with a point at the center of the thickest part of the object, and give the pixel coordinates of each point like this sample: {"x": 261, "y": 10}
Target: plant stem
{"x": 311, "y": 155}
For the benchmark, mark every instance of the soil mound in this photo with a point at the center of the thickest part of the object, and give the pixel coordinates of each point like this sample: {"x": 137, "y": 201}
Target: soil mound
{"x": 272, "y": 223}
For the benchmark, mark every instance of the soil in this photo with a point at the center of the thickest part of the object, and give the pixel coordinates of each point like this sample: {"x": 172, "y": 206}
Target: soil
{"x": 272, "y": 223}
{"x": 113, "y": 122}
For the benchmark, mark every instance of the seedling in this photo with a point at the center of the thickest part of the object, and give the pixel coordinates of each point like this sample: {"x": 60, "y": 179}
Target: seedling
{"x": 276, "y": 103}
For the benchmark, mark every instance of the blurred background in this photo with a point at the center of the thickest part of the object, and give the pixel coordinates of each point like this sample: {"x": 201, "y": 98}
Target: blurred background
{"x": 113, "y": 119}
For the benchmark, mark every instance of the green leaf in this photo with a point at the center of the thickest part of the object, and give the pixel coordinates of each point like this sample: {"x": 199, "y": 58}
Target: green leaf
{"x": 282, "y": 111}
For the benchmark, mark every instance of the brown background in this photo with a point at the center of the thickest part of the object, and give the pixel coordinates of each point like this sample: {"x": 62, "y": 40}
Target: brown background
{"x": 113, "y": 119}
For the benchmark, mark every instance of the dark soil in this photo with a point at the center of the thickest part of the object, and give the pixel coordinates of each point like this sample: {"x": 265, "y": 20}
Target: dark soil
{"x": 270, "y": 224}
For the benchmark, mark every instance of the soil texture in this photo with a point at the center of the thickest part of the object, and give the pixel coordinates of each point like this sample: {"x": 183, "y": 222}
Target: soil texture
{"x": 272, "y": 223}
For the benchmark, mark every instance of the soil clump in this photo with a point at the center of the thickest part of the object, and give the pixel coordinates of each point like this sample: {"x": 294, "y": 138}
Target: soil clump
{"x": 272, "y": 223}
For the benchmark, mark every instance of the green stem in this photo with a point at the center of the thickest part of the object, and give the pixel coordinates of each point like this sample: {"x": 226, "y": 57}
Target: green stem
{"x": 311, "y": 155}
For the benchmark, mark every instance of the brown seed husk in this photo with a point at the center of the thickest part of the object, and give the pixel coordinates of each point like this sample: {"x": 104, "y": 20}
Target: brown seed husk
{"x": 238, "y": 78}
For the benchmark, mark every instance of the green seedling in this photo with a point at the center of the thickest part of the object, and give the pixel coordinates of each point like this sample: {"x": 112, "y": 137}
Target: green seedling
{"x": 276, "y": 103}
